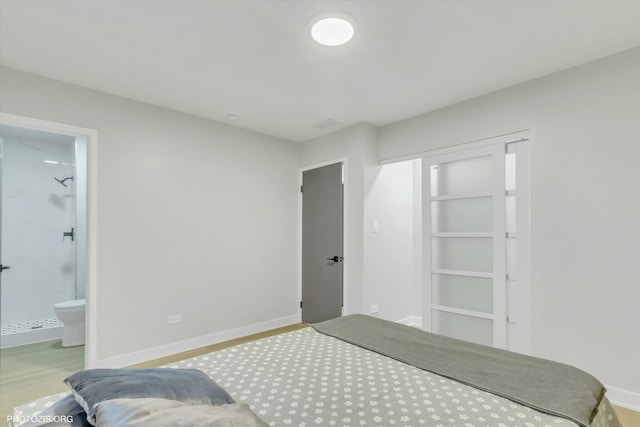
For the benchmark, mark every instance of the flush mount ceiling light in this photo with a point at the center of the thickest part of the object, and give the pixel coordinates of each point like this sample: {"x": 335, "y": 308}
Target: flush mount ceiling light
{"x": 332, "y": 31}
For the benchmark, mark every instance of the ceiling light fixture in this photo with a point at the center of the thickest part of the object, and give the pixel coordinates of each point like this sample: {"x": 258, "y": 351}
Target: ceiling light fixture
{"x": 332, "y": 31}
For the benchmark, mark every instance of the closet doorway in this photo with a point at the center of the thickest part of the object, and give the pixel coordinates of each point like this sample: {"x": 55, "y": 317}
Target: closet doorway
{"x": 475, "y": 207}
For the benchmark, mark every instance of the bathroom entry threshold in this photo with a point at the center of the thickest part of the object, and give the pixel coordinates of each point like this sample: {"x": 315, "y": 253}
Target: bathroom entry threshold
{"x": 30, "y": 332}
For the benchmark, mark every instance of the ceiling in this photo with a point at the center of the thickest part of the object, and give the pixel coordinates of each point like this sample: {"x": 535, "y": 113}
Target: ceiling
{"x": 255, "y": 59}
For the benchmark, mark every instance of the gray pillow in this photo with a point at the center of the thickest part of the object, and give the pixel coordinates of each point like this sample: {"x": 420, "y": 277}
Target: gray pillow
{"x": 149, "y": 412}
{"x": 65, "y": 412}
{"x": 191, "y": 386}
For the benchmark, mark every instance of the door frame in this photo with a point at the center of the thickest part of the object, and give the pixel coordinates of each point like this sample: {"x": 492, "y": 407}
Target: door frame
{"x": 91, "y": 264}
{"x": 345, "y": 228}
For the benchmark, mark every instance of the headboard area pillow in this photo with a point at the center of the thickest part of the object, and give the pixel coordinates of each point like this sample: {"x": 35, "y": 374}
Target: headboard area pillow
{"x": 190, "y": 386}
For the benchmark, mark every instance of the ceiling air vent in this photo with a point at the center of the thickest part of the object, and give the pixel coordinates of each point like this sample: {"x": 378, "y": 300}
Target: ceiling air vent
{"x": 326, "y": 124}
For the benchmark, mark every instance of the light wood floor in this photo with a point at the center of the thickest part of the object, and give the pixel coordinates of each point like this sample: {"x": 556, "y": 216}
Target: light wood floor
{"x": 32, "y": 371}
{"x": 29, "y": 372}
{"x": 36, "y": 370}
{"x": 627, "y": 417}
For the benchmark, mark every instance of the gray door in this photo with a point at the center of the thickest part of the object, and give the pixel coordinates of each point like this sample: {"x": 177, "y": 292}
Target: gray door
{"x": 322, "y": 243}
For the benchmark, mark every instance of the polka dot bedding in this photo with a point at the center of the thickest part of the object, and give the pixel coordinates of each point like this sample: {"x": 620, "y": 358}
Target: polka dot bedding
{"x": 305, "y": 378}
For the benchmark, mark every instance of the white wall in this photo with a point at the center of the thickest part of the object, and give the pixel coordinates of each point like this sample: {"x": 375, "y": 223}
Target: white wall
{"x": 194, "y": 217}
{"x": 36, "y": 210}
{"x": 179, "y": 231}
{"x": 389, "y": 273}
{"x": 585, "y": 204}
{"x": 380, "y": 267}
{"x": 358, "y": 144}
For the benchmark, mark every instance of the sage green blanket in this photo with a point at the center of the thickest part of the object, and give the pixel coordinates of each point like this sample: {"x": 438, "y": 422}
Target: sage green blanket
{"x": 544, "y": 385}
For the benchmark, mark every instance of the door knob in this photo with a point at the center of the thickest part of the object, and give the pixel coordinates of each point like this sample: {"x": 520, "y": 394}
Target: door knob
{"x": 4, "y": 267}
{"x": 335, "y": 258}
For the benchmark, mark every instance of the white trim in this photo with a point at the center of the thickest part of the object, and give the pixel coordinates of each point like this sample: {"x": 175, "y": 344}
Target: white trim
{"x": 427, "y": 268}
{"x": 522, "y": 343}
{"x": 193, "y": 343}
{"x": 508, "y": 138}
{"x": 499, "y": 247}
{"x": 417, "y": 236}
{"x": 91, "y": 136}
{"x": 453, "y": 156}
{"x": 321, "y": 164}
{"x": 43, "y": 125}
{"x": 624, "y": 398}
{"x": 415, "y": 321}
{"x": 345, "y": 229}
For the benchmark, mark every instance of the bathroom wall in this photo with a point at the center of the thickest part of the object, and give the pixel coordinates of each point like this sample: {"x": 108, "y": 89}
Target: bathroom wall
{"x": 36, "y": 210}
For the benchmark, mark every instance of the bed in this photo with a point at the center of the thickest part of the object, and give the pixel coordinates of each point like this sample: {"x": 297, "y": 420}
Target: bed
{"x": 314, "y": 376}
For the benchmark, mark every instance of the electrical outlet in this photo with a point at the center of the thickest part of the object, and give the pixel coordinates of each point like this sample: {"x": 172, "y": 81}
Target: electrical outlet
{"x": 174, "y": 318}
{"x": 375, "y": 308}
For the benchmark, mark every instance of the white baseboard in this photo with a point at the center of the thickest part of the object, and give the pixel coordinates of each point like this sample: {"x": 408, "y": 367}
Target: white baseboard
{"x": 625, "y": 398}
{"x": 193, "y": 343}
{"x": 415, "y": 321}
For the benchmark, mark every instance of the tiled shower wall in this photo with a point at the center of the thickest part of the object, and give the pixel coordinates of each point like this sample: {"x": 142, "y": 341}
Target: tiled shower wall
{"x": 36, "y": 210}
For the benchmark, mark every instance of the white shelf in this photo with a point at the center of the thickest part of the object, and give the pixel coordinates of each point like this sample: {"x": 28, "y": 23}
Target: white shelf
{"x": 463, "y": 273}
{"x": 464, "y": 312}
{"x": 462, "y": 196}
{"x": 462, "y": 234}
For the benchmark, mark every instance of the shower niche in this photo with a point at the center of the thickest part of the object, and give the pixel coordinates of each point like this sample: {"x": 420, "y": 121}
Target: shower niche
{"x": 42, "y": 219}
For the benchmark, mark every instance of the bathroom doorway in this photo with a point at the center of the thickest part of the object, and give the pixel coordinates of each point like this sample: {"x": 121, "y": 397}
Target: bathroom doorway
{"x": 43, "y": 240}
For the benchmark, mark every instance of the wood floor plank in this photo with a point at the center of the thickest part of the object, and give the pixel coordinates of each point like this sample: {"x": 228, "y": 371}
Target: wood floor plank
{"x": 219, "y": 346}
{"x": 32, "y": 371}
{"x": 627, "y": 417}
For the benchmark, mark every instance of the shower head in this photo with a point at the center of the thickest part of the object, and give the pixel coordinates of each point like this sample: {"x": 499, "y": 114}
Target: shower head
{"x": 61, "y": 181}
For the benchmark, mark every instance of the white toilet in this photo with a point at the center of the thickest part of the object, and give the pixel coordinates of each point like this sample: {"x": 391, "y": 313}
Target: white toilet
{"x": 71, "y": 313}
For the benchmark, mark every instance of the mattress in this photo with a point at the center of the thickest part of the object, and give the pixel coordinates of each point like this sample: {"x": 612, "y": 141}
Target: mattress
{"x": 305, "y": 378}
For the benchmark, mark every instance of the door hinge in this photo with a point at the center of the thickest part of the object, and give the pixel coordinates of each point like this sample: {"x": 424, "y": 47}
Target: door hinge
{"x": 300, "y": 304}
{"x": 301, "y": 188}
